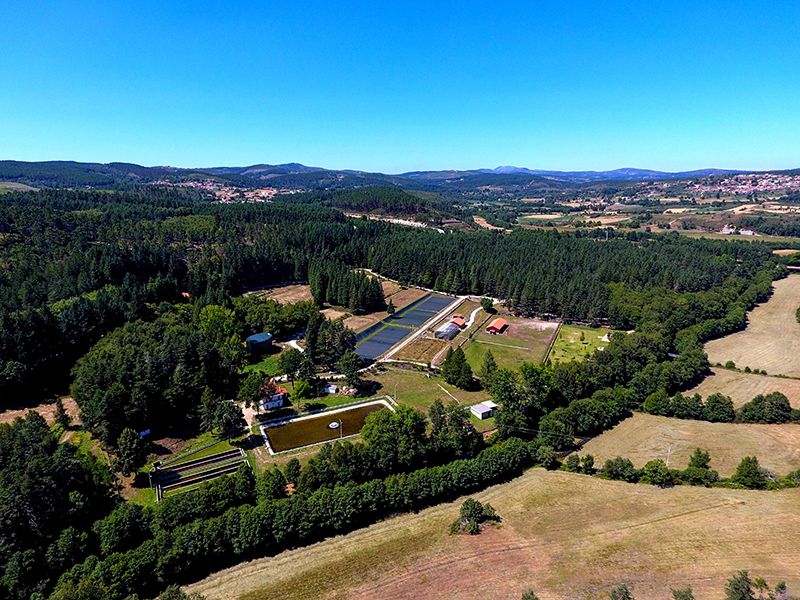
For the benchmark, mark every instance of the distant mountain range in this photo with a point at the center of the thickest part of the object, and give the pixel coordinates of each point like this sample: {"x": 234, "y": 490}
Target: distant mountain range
{"x": 627, "y": 174}
{"x": 295, "y": 175}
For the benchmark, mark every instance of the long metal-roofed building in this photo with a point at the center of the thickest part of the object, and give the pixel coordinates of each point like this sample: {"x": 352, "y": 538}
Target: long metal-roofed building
{"x": 446, "y": 331}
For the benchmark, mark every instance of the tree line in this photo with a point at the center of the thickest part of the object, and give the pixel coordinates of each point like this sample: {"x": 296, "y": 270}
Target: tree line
{"x": 334, "y": 283}
{"x": 770, "y": 408}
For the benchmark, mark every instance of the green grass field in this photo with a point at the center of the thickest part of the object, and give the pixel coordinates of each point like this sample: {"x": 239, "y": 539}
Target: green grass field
{"x": 268, "y": 364}
{"x": 569, "y": 344}
{"x": 418, "y": 391}
{"x": 504, "y": 354}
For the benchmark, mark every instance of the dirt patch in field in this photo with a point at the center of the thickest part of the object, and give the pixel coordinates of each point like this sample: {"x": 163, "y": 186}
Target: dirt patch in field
{"x": 421, "y": 350}
{"x": 743, "y": 387}
{"x": 772, "y": 338}
{"x": 482, "y": 222}
{"x": 47, "y": 410}
{"x": 333, "y": 313}
{"x": 786, "y": 251}
{"x": 530, "y": 329}
{"x": 290, "y": 294}
{"x": 643, "y": 437}
{"x": 563, "y": 535}
{"x": 389, "y": 288}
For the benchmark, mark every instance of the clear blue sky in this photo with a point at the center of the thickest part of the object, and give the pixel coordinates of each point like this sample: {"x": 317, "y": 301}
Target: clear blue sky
{"x": 397, "y": 86}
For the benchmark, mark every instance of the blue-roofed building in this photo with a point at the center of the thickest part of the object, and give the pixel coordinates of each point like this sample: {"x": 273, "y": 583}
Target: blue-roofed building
{"x": 259, "y": 343}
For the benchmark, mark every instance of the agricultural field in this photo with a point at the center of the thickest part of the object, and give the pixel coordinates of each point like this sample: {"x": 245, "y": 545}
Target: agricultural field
{"x": 644, "y": 437}
{"x": 650, "y": 538}
{"x": 772, "y": 339}
{"x": 743, "y": 387}
{"x": 569, "y": 345}
{"x": 421, "y": 350}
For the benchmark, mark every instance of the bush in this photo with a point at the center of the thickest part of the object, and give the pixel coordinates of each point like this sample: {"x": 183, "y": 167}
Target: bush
{"x": 657, "y": 473}
{"x": 772, "y": 408}
{"x": 473, "y": 514}
{"x": 572, "y": 463}
{"x": 546, "y": 457}
{"x": 621, "y": 469}
{"x": 749, "y": 474}
{"x": 719, "y": 409}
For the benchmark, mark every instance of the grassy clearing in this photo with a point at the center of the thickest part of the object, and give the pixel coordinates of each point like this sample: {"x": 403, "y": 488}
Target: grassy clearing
{"x": 772, "y": 338}
{"x": 418, "y": 391}
{"x": 743, "y": 387}
{"x": 504, "y": 355}
{"x": 569, "y": 345}
{"x": 10, "y": 186}
{"x": 290, "y": 293}
{"x": 268, "y": 364}
{"x": 564, "y": 535}
{"x": 221, "y": 446}
{"x": 645, "y": 437}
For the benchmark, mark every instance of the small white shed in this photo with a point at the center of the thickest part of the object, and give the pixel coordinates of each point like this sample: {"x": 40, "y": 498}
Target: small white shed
{"x": 484, "y": 410}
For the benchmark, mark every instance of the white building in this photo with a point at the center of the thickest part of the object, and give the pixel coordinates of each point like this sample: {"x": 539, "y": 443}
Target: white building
{"x": 484, "y": 410}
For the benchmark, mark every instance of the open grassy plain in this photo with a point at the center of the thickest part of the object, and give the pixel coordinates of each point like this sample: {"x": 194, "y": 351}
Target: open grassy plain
{"x": 772, "y": 338}
{"x": 643, "y": 437}
{"x": 743, "y": 387}
{"x": 563, "y": 535}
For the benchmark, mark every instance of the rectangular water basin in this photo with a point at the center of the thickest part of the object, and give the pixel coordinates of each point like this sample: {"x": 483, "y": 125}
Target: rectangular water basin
{"x": 315, "y": 429}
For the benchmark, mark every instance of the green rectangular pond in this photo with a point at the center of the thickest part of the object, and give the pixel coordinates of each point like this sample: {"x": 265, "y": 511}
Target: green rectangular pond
{"x": 316, "y": 430}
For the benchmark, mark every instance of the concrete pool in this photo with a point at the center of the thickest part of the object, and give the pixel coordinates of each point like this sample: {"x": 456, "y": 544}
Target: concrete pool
{"x": 300, "y": 432}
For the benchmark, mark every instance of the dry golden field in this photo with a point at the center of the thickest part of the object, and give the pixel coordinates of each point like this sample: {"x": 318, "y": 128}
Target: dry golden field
{"x": 563, "y": 535}
{"x": 645, "y": 437}
{"x": 772, "y": 338}
{"x": 47, "y": 410}
{"x": 743, "y": 387}
{"x": 290, "y": 293}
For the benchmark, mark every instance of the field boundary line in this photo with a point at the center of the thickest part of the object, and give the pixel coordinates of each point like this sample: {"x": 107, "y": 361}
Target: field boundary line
{"x": 552, "y": 343}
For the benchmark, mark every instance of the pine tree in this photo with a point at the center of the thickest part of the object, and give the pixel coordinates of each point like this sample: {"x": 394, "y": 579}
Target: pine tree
{"x": 62, "y": 418}
{"x": 487, "y": 369}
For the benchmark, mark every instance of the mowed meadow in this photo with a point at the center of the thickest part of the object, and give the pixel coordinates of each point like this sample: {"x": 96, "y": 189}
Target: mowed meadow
{"x": 563, "y": 535}
{"x": 643, "y": 438}
{"x": 743, "y": 387}
{"x": 771, "y": 340}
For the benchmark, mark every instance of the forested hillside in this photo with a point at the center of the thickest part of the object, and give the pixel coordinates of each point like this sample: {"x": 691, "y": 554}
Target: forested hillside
{"x": 76, "y": 265}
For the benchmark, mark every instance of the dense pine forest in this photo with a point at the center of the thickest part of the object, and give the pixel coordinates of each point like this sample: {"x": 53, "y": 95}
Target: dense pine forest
{"x": 135, "y": 299}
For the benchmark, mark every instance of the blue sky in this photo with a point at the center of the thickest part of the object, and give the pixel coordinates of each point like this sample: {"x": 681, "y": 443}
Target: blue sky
{"x": 398, "y": 86}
